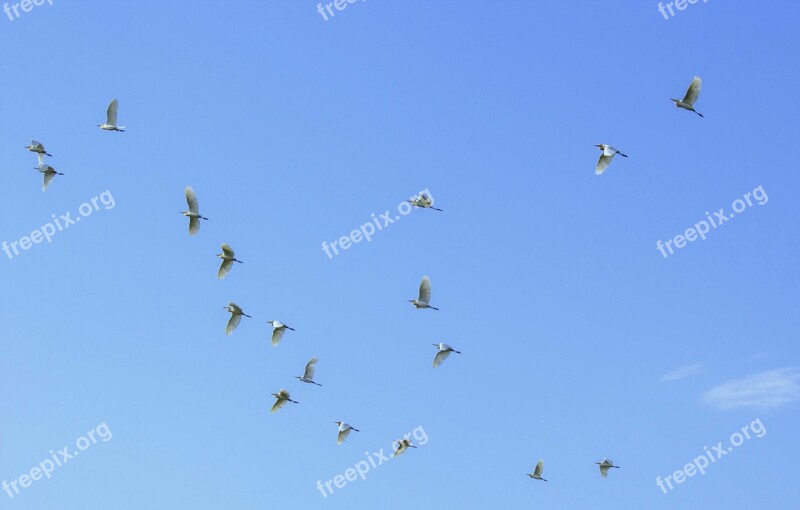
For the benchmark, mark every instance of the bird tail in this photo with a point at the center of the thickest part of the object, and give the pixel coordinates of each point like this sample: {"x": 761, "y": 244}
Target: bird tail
{"x": 698, "y": 113}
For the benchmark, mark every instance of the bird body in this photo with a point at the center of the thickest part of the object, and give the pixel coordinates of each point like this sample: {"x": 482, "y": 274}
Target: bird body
{"x": 537, "y": 471}
{"x": 281, "y": 398}
{"x": 401, "y": 445}
{"x": 194, "y": 211}
{"x": 424, "y": 295}
{"x": 423, "y": 201}
{"x": 605, "y": 158}
{"x": 48, "y": 171}
{"x": 111, "y": 118}
{"x": 228, "y": 259}
{"x": 344, "y": 431}
{"x": 38, "y": 148}
{"x": 443, "y": 353}
{"x": 308, "y": 375}
{"x": 278, "y": 331}
{"x": 236, "y": 317}
{"x": 605, "y": 465}
{"x": 693, "y": 92}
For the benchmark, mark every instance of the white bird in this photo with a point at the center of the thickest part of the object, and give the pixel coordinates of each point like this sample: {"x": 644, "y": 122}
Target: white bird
{"x": 227, "y": 261}
{"x": 48, "y": 171}
{"x": 111, "y": 118}
{"x": 537, "y": 472}
{"x": 401, "y": 445}
{"x": 424, "y": 294}
{"x": 605, "y": 464}
{"x": 282, "y": 397}
{"x": 236, "y": 317}
{"x": 194, "y": 211}
{"x": 38, "y": 148}
{"x": 344, "y": 431}
{"x": 277, "y": 333}
{"x": 423, "y": 201}
{"x": 308, "y": 375}
{"x": 605, "y": 158}
{"x": 687, "y": 103}
{"x": 444, "y": 352}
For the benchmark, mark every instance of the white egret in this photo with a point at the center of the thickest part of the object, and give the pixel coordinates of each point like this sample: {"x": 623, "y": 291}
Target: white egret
{"x": 194, "y": 211}
{"x": 537, "y": 471}
{"x": 424, "y": 294}
{"x": 423, "y": 201}
{"x": 687, "y": 103}
{"x": 605, "y": 464}
{"x": 111, "y": 118}
{"x": 605, "y": 158}
{"x": 444, "y": 352}
{"x": 38, "y": 148}
{"x": 344, "y": 431}
{"x": 401, "y": 445}
{"x": 308, "y": 375}
{"x": 227, "y": 261}
{"x": 48, "y": 171}
{"x": 282, "y": 397}
{"x": 236, "y": 317}
{"x": 277, "y": 333}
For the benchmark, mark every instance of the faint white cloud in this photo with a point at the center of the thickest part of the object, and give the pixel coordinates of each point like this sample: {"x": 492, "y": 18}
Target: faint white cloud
{"x": 771, "y": 388}
{"x": 682, "y": 372}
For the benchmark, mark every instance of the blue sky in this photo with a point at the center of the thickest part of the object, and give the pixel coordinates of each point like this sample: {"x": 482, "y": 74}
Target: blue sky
{"x": 579, "y": 339}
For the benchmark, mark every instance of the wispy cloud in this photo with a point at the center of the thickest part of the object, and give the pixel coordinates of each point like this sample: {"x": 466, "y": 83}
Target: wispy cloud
{"x": 772, "y": 388}
{"x": 681, "y": 373}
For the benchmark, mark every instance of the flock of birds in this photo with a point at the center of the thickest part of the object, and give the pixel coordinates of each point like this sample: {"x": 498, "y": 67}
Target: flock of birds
{"x": 422, "y": 301}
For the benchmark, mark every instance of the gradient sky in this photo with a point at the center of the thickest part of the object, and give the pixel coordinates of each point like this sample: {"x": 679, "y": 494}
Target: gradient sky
{"x": 579, "y": 339}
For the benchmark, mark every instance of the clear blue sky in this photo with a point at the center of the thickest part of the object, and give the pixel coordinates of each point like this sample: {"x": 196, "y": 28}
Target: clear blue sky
{"x": 293, "y": 130}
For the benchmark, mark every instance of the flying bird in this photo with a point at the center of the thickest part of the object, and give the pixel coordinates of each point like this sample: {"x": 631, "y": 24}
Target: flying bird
{"x": 308, "y": 375}
{"x": 444, "y": 352}
{"x": 48, "y": 171}
{"x": 424, "y": 294}
{"x": 282, "y": 397}
{"x": 38, "y": 148}
{"x": 194, "y": 212}
{"x": 277, "y": 333}
{"x": 344, "y": 431}
{"x": 227, "y": 261}
{"x": 111, "y": 118}
{"x": 605, "y": 464}
{"x": 687, "y": 103}
{"x": 423, "y": 201}
{"x": 236, "y": 317}
{"x": 537, "y": 471}
{"x": 605, "y": 158}
{"x": 401, "y": 445}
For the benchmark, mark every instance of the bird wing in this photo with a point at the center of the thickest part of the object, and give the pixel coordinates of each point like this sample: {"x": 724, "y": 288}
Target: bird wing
{"x": 226, "y": 266}
{"x": 539, "y": 468}
{"x": 227, "y": 250}
{"x": 310, "y": 369}
{"x": 604, "y": 469}
{"x": 440, "y": 356}
{"x": 694, "y": 91}
{"x": 278, "y": 404}
{"x": 191, "y": 200}
{"x": 40, "y": 157}
{"x": 37, "y": 145}
{"x": 603, "y": 163}
{"x": 342, "y": 435}
{"x": 233, "y": 322}
{"x": 48, "y": 176}
{"x": 425, "y": 290}
{"x": 277, "y": 334}
{"x": 111, "y": 113}
{"x": 424, "y": 200}
{"x": 194, "y": 226}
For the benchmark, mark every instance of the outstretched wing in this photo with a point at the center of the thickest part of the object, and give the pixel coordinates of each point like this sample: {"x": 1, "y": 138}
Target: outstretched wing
{"x": 111, "y": 113}
{"x": 425, "y": 290}
{"x": 539, "y": 468}
{"x": 227, "y": 250}
{"x": 194, "y": 226}
{"x": 226, "y": 266}
{"x": 310, "y": 369}
{"x": 191, "y": 200}
{"x": 278, "y": 404}
{"x": 603, "y": 163}
{"x": 343, "y": 435}
{"x": 694, "y": 91}
{"x": 604, "y": 469}
{"x": 277, "y": 334}
{"x": 440, "y": 356}
{"x": 40, "y": 157}
{"x": 233, "y": 322}
{"x": 48, "y": 176}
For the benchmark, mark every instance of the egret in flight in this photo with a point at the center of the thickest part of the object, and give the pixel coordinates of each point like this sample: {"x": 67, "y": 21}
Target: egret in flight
{"x": 282, "y": 397}
{"x": 344, "y": 431}
{"x": 38, "y": 148}
{"x": 423, "y": 201}
{"x": 537, "y": 471}
{"x": 48, "y": 171}
{"x": 687, "y": 103}
{"x": 605, "y": 158}
{"x": 111, "y": 118}
{"x": 194, "y": 211}
{"x": 444, "y": 352}
{"x": 227, "y": 261}
{"x": 605, "y": 464}
{"x": 424, "y": 294}
{"x": 308, "y": 375}
{"x": 236, "y": 317}
{"x": 277, "y": 333}
{"x": 401, "y": 445}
